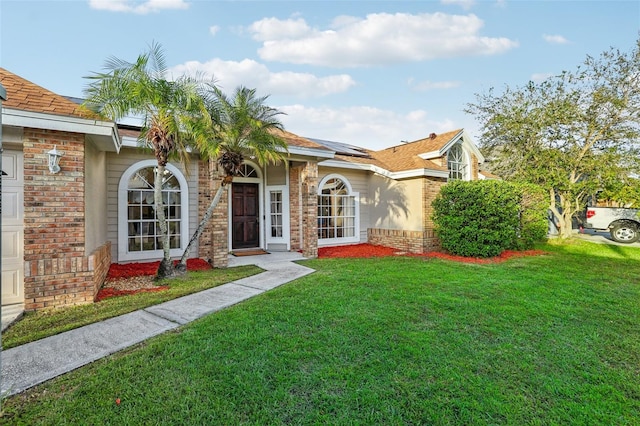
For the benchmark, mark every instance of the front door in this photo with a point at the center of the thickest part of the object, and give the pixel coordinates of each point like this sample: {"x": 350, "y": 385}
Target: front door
{"x": 245, "y": 217}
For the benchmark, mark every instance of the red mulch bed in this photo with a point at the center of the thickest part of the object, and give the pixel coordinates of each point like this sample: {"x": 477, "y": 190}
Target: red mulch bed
{"x": 128, "y": 270}
{"x": 370, "y": 250}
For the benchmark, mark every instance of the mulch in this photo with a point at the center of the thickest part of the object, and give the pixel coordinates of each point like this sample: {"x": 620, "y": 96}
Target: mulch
{"x": 369, "y": 250}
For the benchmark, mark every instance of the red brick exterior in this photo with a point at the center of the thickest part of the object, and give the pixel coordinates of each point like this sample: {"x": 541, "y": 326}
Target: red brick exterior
{"x": 58, "y": 271}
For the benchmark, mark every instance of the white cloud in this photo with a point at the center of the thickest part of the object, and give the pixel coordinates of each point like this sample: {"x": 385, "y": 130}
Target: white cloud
{"x": 422, "y": 86}
{"x": 214, "y": 29}
{"x": 378, "y": 39}
{"x": 363, "y": 126}
{"x": 249, "y": 73}
{"x": 465, "y": 4}
{"x": 141, "y": 8}
{"x": 555, "y": 39}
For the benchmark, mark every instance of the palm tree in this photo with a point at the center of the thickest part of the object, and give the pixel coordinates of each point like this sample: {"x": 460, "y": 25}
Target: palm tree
{"x": 242, "y": 126}
{"x": 173, "y": 112}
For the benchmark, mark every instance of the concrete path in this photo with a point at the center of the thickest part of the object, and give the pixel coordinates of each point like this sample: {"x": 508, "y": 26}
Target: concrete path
{"x": 33, "y": 363}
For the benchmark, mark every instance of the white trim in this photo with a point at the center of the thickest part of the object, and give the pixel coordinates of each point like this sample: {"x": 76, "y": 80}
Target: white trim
{"x": 106, "y": 131}
{"x": 286, "y": 217}
{"x": 123, "y": 186}
{"x": 356, "y": 225}
{"x": 405, "y": 174}
{"x": 311, "y": 152}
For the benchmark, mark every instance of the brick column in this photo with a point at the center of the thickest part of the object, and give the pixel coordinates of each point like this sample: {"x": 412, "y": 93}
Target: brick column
{"x": 58, "y": 271}
{"x": 430, "y": 189}
{"x": 309, "y": 211}
{"x": 213, "y": 243}
{"x": 295, "y": 209}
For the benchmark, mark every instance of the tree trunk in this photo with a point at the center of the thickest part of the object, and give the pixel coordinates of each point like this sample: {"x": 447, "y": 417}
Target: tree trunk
{"x": 165, "y": 269}
{"x": 182, "y": 265}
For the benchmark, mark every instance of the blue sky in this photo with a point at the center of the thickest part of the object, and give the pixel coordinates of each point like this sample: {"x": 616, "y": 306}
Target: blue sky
{"x": 369, "y": 73}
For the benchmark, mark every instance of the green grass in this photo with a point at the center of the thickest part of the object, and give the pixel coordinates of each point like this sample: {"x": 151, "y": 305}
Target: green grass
{"x": 41, "y": 324}
{"x": 551, "y": 339}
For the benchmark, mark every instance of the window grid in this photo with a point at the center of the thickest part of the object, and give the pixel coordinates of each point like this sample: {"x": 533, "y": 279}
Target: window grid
{"x": 456, "y": 162}
{"x": 142, "y": 222}
{"x": 336, "y": 211}
{"x": 276, "y": 213}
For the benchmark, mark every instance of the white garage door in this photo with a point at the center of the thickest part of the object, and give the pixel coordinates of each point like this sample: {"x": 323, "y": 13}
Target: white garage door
{"x": 12, "y": 231}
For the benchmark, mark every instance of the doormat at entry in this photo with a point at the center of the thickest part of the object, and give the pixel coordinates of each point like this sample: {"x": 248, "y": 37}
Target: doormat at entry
{"x": 255, "y": 252}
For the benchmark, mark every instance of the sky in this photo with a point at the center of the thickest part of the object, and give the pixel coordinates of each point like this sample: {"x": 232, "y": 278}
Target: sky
{"x": 366, "y": 73}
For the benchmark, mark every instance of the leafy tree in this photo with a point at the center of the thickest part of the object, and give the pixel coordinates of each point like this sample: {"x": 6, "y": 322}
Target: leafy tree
{"x": 573, "y": 134}
{"x": 242, "y": 126}
{"x": 173, "y": 112}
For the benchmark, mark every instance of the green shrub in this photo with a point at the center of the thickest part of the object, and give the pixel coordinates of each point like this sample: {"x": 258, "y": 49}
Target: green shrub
{"x": 484, "y": 218}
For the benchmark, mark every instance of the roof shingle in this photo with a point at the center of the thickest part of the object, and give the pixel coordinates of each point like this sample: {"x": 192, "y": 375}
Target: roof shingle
{"x": 27, "y": 96}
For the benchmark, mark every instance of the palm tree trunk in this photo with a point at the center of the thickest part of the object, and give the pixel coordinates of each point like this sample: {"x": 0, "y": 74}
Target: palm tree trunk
{"x": 182, "y": 265}
{"x": 166, "y": 266}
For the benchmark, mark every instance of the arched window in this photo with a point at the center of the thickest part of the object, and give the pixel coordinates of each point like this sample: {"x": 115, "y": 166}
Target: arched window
{"x": 337, "y": 211}
{"x": 139, "y": 234}
{"x": 457, "y": 163}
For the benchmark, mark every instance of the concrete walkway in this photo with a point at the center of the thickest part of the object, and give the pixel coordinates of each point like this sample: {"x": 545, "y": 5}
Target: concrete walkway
{"x": 33, "y": 363}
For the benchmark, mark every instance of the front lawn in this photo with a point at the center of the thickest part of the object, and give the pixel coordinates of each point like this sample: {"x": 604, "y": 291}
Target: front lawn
{"x": 551, "y": 339}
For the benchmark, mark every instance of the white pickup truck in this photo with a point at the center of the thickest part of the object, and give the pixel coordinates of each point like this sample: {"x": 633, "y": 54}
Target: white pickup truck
{"x": 623, "y": 224}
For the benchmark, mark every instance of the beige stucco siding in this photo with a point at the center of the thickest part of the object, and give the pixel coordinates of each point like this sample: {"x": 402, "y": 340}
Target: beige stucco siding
{"x": 95, "y": 197}
{"x": 359, "y": 181}
{"x": 117, "y": 164}
{"x": 395, "y": 204}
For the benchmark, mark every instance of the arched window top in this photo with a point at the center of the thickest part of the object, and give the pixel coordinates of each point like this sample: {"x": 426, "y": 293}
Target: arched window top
{"x": 248, "y": 171}
{"x": 145, "y": 178}
{"x": 335, "y": 185}
{"x": 457, "y": 163}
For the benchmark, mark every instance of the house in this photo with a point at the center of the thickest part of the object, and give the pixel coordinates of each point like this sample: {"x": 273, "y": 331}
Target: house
{"x": 62, "y": 229}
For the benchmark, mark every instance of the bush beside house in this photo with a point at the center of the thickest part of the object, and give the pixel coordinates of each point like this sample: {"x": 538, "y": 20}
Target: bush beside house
{"x": 484, "y": 218}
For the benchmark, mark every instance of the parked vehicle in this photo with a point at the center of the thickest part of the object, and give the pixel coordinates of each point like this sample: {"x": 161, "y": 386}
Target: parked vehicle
{"x": 623, "y": 224}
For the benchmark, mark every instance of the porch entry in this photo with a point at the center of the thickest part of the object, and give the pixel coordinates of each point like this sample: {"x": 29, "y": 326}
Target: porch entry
{"x": 245, "y": 218}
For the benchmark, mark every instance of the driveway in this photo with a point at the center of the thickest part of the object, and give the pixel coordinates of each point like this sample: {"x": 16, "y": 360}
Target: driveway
{"x": 600, "y": 237}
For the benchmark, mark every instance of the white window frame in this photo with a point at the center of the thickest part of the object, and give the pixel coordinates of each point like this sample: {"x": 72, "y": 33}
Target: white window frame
{"x": 286, "y": 227}
{"x": 356, "y": 200}
{"x": 466, "y": 164}
{"x": 123, "y": 214}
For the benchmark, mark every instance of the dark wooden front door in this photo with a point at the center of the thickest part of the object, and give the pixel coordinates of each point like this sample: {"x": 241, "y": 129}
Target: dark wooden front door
{"x": 245, "y": 217}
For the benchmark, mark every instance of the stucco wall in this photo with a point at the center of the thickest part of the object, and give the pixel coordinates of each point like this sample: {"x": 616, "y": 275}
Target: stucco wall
{"x": 116, "y": 166}
{"x": 96, "y": 197}
{"x": 395, "y": 204}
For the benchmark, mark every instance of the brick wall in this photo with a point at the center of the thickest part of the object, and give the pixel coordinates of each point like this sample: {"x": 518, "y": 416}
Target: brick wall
{"x": 58, "y": 272}
{"x": 295, "y": 208}
{"x": 213, "y": 244}
{"x": 309, "y": 209}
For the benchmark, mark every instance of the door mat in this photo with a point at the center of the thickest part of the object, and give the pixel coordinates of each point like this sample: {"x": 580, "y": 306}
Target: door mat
{"x": 252, "y": 252}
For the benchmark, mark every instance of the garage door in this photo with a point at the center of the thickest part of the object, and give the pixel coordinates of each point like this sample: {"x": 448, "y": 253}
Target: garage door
{"x": 12, "y": 230}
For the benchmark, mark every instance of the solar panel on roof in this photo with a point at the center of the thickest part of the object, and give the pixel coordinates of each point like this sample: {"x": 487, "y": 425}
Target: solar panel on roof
{"x": 341, "y": 148}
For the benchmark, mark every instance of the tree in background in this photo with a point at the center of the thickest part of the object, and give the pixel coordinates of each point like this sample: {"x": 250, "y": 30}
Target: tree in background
{"x": 573, "y": 134}
{"x": 173, "y": 112}
{"x": 242, "y": 126}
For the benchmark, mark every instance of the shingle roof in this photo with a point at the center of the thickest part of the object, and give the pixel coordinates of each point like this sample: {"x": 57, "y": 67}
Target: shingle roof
{"x": 406, "y": 156}
{"x": 27, "y": 96}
